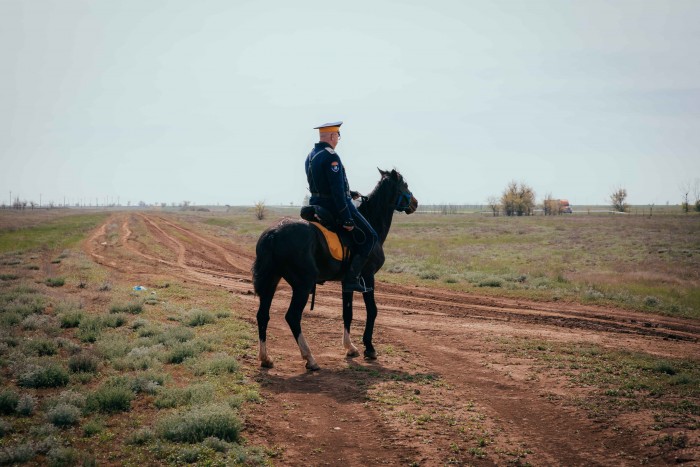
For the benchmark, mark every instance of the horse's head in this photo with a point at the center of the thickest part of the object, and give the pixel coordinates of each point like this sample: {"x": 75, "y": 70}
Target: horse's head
{"x": 404, "y": 199}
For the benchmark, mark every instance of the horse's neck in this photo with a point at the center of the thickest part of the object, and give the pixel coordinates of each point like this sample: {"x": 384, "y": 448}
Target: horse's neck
{"x": 378, "y": 216}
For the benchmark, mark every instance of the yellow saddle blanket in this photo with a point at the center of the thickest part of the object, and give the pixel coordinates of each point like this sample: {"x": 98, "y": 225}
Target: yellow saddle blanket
{"x": 336, "y": 248}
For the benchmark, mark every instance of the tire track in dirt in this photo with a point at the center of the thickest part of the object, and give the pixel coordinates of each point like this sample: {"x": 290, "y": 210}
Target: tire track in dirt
{"x": 322, "y": 418}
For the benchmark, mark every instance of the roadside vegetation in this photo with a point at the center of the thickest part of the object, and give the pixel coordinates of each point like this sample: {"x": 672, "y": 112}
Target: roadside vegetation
{"x": 94, "y": 372}
{"x": 648, "y": 264}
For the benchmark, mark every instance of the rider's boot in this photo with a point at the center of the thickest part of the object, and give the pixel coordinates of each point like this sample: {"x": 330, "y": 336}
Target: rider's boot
{"x": 353, "y": 281}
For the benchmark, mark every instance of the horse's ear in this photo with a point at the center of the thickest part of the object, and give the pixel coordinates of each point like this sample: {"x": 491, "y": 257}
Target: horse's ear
{"x": 383, "y": 173}
{"x": 394, "y": 174}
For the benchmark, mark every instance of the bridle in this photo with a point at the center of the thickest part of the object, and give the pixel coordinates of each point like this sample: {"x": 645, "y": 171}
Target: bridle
{"x": 403, "y": 201}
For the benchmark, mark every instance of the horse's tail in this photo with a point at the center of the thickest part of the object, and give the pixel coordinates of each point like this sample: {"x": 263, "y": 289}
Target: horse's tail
{"x": 264, "y": 265}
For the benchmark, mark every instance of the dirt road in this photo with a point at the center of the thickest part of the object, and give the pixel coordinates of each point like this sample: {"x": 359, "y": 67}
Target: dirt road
{"x": 448, "y": 387}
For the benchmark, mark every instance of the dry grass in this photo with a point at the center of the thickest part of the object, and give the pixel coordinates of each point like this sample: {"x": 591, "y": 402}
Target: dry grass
{"x": 623, "y": 260}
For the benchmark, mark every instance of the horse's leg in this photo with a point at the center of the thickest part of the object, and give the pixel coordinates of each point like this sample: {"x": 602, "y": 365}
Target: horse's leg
{"x": 263, "y": 318}
{"x": 347, "y": 320}
{"x": 300, "y": 295}
{"x": 371, "y": 307}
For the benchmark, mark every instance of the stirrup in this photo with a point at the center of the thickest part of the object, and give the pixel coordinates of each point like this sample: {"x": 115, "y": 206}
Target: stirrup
{"x": 356, "y": 286}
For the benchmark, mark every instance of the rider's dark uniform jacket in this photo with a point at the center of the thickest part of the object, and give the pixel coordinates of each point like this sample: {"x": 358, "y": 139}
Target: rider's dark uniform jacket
{"x": 327, "y": 181}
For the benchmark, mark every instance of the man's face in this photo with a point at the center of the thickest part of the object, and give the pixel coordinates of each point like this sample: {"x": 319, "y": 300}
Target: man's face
{"x": 335, "y": 139}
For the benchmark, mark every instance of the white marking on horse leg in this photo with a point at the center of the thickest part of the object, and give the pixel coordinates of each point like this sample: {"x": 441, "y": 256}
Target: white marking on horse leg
{"x": 306, "y": 354}
{"x": 349, "y": 346}
{"x": 265, "y": 360}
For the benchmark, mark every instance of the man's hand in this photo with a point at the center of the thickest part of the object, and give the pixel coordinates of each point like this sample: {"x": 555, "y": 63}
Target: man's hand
{"x": 349, "y": 225}
{"x": 355, "y": 194}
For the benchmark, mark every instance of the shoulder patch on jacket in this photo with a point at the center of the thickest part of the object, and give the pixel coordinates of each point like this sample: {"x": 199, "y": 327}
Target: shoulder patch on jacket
{"x": 331, "y": 150}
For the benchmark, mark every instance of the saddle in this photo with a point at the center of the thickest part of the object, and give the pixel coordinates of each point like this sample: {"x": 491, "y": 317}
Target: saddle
{"x": 323, "y": 220}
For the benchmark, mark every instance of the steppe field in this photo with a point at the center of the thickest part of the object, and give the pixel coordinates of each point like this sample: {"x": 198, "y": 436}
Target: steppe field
{"x": 128, "y": 337}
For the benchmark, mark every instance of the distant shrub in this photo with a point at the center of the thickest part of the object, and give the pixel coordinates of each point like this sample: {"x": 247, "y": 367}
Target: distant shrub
{"x": 179, "y": 353}
{"x": 71, "y": 319}
{"x": 63, "y": 415}
{"x": 8, "y": 401}
{"x": 10, "y": 318}
{"x": 8, "y": 277}
{"x": 49, "y": 376}
{"x": 149, "y": 331}
{"x": 216, "y": 444}
{"x": 26, "y": 405}
{"x": 5, "y": 428}
{"x": 34, "y": 322}
{"x": 114, "y": 320}
{"x": 90, "y": 329}
{"x": 592, "y": 294}
{"x": 139, "y": 323}
{"x": 198, "y": 424}
{"x": 70, "y": 346}
{"x": 17, "y": 454}
{"x": 83, "y": 363}
{"x": 69, "y": 397}
{"x": 110, "y": 398}
{"x": 175, "y": 397}
{"x": 217, "y": 365}
{"x": 140, "y": 437}
{"x": 665, "y": 367}
{"x": 133, "y": 308}
{"x": 199, "y": 318}
{"x": 63, "y": 457}
{"x": 41, "y": 347}
{"x": 429, "y": 275}
{"x": 105, "y": 287}
{"x": 223, "y": 314}
{"x": 148, "y": 383}
{"x": 92, "y": 427}
{"x": 141, "y": 358}
{"x": 113, "y": 347}
{"x": 55, "y": 281}
{"x": 175, "y": 334}
{"x": 651, "y": 301}
{"x": 491, "y": 282}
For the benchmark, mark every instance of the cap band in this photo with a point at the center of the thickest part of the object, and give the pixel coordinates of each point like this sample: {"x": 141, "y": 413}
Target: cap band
{"x": 329, "y": 129}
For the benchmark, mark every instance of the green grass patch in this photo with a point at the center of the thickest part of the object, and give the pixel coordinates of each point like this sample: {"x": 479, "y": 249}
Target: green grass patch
{"x": 59, "y": 233}
{"x": 110, "y": 398}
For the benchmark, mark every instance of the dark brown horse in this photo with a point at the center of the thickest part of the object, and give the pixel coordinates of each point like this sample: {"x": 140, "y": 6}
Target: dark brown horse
{"x": 293, "y": 250}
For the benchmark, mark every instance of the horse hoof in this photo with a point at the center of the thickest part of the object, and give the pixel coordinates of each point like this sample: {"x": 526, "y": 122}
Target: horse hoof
{"x": 370, "y": 354}
{"x": 267, "y": 364}
{"x": 352, "y": 353}
{"x": 312, "y": 367}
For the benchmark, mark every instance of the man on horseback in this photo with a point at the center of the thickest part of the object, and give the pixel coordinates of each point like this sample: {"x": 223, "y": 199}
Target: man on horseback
{"x": 330, "y": 189}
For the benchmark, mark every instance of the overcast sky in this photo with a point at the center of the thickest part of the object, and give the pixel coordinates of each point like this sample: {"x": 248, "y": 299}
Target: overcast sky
{"x": 214, "y": 101}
